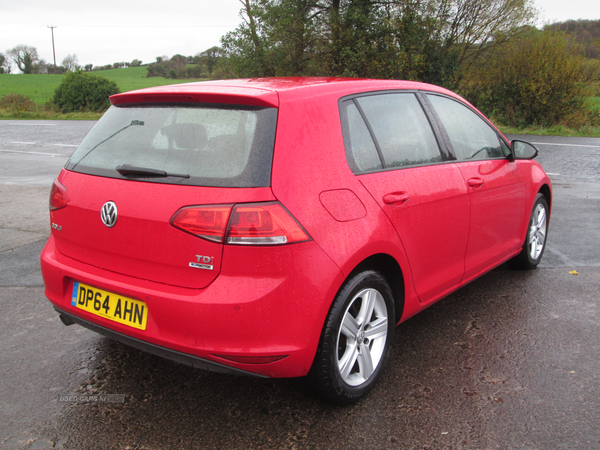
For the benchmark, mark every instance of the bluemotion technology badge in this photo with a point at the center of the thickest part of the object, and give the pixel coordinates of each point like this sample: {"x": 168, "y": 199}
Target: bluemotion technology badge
{"x": 108, "y": 214}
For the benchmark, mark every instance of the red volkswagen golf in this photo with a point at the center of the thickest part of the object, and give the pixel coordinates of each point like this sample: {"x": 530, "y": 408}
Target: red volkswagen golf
{"x": 283, "y": 227}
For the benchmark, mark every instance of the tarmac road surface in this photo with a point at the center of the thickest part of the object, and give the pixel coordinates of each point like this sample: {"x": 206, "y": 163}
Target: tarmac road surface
{"x": 512, "y": 361}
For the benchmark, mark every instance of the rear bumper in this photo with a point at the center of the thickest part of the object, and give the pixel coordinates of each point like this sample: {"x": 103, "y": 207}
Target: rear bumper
{"x": 166, "y": 353}
{"x": 265, "y": 302}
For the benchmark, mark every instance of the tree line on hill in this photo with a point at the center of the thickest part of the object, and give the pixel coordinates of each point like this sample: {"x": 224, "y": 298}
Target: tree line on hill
{"x": 202, "y": 65}
{"x": 584, "y": 32}
{"x": 27, "y": 61}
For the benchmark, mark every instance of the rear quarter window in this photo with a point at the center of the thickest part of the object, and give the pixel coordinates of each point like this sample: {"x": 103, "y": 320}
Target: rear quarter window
{"x": 212, "y": 145}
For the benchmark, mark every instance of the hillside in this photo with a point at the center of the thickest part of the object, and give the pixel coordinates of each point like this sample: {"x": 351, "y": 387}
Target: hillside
{"x": 584, "y": 32}
{"x": 40, "y": 88}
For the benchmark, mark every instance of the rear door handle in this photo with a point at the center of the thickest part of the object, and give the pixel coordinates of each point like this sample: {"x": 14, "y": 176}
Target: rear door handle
{"x": 396, "y": 198}
{"x": 475, "y": 182}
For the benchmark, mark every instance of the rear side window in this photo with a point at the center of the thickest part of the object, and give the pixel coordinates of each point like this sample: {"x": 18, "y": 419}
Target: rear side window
{"x": 471, "y": 137}
{"x": 362, "y": 148}
{"x": 387, "y": 131}
{"x": 211, "y": 145}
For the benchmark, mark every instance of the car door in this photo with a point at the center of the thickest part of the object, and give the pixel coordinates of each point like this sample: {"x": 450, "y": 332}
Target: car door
{"x": 392, "y": 148}
{"x": 497, "y": 189}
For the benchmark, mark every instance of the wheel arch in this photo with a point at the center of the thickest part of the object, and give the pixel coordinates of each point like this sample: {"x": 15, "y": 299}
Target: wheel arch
{"x": 545, "y": 190}
{"x": 389, "y": 268}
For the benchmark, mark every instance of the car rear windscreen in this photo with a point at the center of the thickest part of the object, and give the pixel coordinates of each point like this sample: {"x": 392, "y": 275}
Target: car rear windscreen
{"x": 208, "y": 145}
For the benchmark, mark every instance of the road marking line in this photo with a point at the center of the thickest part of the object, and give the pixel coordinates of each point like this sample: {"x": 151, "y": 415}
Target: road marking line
{"x": 566, "y": 145}
{"x": 33, "y": 153}
{"x": 556, "y": 174}
{"x": 31, "y": 124}
{"x": 35, "y": 143}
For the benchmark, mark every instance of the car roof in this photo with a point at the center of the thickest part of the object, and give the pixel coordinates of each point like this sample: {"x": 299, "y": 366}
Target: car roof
{"x": 266, "y": 91}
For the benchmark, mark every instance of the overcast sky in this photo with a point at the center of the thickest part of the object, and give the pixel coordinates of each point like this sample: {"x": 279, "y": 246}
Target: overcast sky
{"x": 107, "y": 31}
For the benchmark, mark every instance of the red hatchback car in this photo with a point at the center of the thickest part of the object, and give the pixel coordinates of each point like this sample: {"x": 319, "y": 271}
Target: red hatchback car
{"x": 283, "y": 227}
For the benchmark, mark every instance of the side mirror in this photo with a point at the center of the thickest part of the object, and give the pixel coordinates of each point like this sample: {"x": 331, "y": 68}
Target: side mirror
{"x": 523, "y": 150}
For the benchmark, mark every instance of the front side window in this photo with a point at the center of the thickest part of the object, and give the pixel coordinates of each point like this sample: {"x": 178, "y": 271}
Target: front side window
{"x": 212, "y": 145}
{"x": 471, "y": 137}
{"x": 387, "y": 131}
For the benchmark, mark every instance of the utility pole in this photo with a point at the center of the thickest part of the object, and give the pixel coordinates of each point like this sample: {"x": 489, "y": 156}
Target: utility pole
{"x": 52, "y": 27}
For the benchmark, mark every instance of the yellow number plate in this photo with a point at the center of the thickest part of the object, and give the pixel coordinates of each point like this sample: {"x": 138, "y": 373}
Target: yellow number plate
{"x": 109, "y": 305}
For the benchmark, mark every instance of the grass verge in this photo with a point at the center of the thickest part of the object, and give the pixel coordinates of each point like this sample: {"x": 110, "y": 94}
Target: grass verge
{"x": 49, "y": 115}
{"x": 557, "y": 130}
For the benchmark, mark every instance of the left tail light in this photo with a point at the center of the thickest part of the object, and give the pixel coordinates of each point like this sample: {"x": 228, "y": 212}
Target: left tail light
{"x": 244, "y": 224}
{"x": 58, "y": 196}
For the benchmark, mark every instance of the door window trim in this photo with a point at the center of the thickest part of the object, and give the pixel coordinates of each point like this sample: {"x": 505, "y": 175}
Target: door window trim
{"x": 438, "y": 131}
{"x": 444, "y": 133}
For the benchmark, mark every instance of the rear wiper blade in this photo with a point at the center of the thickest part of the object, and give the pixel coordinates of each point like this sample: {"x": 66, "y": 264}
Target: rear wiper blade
{"x": 129, "y": 170}
{"x": 133, "y": 122}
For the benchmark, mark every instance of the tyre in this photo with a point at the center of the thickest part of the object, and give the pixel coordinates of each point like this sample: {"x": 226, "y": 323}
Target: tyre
{"x": 535, "y": 240}
{"x": 356, "y": 340}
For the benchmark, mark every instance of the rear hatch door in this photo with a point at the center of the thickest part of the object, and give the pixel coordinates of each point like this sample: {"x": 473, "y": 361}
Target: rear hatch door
{"x": 142, "y": 243}
{"x": 143, "y": 163}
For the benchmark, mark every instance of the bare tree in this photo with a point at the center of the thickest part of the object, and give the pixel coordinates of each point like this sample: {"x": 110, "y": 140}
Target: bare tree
{"x": 4, "y": 64}
{"x": 476, "y": 26}
{"x": 24, "y": 57}
{"x": 70, "y": 62}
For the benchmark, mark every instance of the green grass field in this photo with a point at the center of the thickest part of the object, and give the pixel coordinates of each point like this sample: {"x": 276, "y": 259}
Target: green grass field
{"x": 40, "y": 88}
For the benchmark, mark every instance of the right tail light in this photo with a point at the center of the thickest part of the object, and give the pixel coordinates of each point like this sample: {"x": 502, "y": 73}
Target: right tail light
{"x": 243, "y": 224}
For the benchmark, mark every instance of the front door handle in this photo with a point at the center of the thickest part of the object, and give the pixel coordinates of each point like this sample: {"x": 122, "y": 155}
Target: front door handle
{"x": 475, "y": 182}
{"x": 396, "y": 198}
